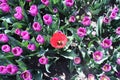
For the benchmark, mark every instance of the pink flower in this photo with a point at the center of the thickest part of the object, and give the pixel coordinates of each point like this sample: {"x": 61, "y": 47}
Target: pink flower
{"x": 55, "y": 78}
{"x": 12, "y": 69}
{"x": 104, "y": 77}
{"x": 81, "y": 32}
{"x": 77, "y": 60}
{"x": 45, "y": 2}
{"x": 25, "y": 35}
{"x": 4, "y": 38}
{"x": 106, "y": 20}
{"x": 118, "y": 31}
{"x": 72, "y": 19}
{"x": 18, "y": 16}
{"x": 40, "y": 39}
{"x": 47, "y": 19}
{"x": 17, "y": 51}
{"x": 106, "y": 68}
{"x": 18, "y": 31}
{"x": 5, "y": 7}
{"x": 55, "y": 10}
{"x": 18, "y": 9}
{"x": 86, "y": 21}
{"x": 115, "y": 9}
{"x": 3, "y": 70}
{"x": 36, "y": 26}
{"x": 91, "y": 77}
{"x": 118, "y": 61}
{"x": 28, "y": 0}
{"x": 26, "y": 75}
{"x": 97, "y": 55}
{"x": 31, "y": 47}
{"x": 3, "y": 1}
{"x": 5, "y": 48}
{"x": 43, "y": 60}
{"x": 33, "y": 10}
{"x": 106, "y": 43}
{"x": 69, "y": 3}
{"x": 113, "y": 15}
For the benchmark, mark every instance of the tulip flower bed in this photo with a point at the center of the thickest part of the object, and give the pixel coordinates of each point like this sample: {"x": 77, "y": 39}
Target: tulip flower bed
{"x": 59, "y": 40}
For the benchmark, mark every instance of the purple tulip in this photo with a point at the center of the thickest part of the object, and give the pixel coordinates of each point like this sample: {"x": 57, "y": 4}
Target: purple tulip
{"x": 106, "y": 43}
{"x": 81, "y": 32}
{"x": 31, "y": 47}
{"x": 3, "y": 1}
{"x": 26, "y": 75}
{"x": 97, "y": 55}
{"x": 18, "y": 9}
{"x": 77, "y": 60}
{"x": 104, "y": 77}
{"x": 12, "y": 69}
{"x": 91, "y": 77}
{"x": 106, "y": 20}
{"x": 118, "y": 74}
{"x": 3, "y": 70}
{"x": 113, "y": 15}
{"x": 69, "y": 3}
{"x": 4, "y": 38}
{"x": 36, "y": 26}
{"x": 55, "y": 78}
{"x": 18, "y": 31}
{"x": 115, "y": 9}
{"x": 45, "y": 2}
{"x": 86, "y": 21}
{"x": 118, "y": 61}
{"x": 47, "y": 19}
{"x": 33, "y": 10}
{"x": 118, "y": 31}
{"x": 28, "y": 0}
{"x": 25, "y": 35}
{"x": 40, "y": 39}
{"x": 5, "y": 7}
{"x": 18, "y": 16}
{"x": 106, "y": 68}
{"x": 72, "y": 19}
{"x": 17, "y": 51}
{"x": 55, "y": 10}
{"x": 5, "y": 48}
{"x": 43, "y": 60}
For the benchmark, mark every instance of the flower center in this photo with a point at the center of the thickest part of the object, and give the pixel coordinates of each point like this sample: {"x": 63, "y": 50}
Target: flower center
{"x": 59, "y": 43}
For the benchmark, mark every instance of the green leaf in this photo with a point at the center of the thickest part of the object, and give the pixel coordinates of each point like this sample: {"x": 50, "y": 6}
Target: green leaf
{"x": 22, "y": 65}
{"x": 47, "y": 66}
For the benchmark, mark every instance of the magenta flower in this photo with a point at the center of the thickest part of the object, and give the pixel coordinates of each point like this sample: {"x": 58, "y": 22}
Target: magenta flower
{"x": 26, "y": 75}
{"x": 5, "y": 7}
{"x": 113, "y": 15}
{"x": 31, "y": 47}
{"x": 118, "y": 31}
{"x": 18, "y": 9}
{"x": 86, "y": 21}
{"x": 45, "y": 2}
{"x": 115, "y": 9}
{"x": 17, "y": 51}
{"x": 18, "y": 16}
{"x": 104, "y": 77}
{"x": 3, "y": 1}
{"x": 106, "y": 20}
{"x": 118, "y": 61}
{"x": 25, "y": 35}
{"x": 18, "y": 31}
{"x": 72, "y": 19}
{"x": 106, "y": 43}
{"x": 47, "y": 19}
{"x": 81, "y": 32}
{"x": 12, "y": 69}
{"x": 5, "y": 48}
{"x": 55, "y": 78}
{"x": 43, "y": 60}
{"x": 28, "y": 0}
{"x": 97, "y": 55}
{"x": 106, "y": 68}
{"x": 4, "y": 38}
{"x": 55, "y": 10}
{"x": 77, "y": 60}
{"x": 3, "y": 70}
{"x": 33, "y": 10}
{"x": 91, "y": 77}
{"x": 36, "y": 26}
{"x": 40, "y": 39}
{"x": 69, "y": 3}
